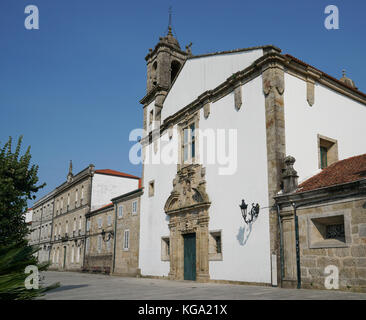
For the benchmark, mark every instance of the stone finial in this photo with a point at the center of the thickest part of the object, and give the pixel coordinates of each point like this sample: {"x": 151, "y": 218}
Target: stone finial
{"x": 289, "y": 175}
{"x": 70, "y": 168}
{"x": 349, "y": 82}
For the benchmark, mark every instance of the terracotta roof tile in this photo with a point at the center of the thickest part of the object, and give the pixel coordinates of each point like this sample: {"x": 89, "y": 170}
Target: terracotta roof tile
{"x": 343, "y": 171}
{"x": 116, "y": 173}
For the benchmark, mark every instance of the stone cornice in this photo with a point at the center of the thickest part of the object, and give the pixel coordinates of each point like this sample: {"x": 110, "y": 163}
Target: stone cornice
{"x": 269, "y": 60}
{"x": 150, "y": 96}
{"x": 86, "y": 173}
{"x": 71, "y": 211}
{"x": 326, "y": 194}
{"x": 161, "y": 46}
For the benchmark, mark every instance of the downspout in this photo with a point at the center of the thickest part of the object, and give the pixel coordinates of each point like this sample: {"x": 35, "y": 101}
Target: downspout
{"x": 281, "y": 244}
{"x": 89, "y": 200}
{"x": 114, "y": 238}
{"x": 297, "y": 247}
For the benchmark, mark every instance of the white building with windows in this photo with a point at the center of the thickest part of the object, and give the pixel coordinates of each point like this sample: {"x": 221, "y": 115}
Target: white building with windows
{"x": 217, "y": 130}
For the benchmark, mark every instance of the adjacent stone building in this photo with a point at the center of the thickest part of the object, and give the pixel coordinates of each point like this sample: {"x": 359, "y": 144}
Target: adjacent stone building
{"x": 326, "y": 216}
{"x": 41, "y": 227}
{"x": 127, "y": 233}
{"x": 82, "y": 193}
{"x": 99, "y": 239}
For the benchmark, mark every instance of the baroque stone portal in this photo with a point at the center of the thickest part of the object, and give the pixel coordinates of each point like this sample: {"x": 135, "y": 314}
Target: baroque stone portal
{"x": 187, "y": 207}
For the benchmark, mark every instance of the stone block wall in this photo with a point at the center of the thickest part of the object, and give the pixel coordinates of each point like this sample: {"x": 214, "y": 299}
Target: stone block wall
{"x": 349, "y": 258}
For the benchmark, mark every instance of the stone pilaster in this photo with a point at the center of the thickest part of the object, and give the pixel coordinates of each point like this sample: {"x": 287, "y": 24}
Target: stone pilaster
{"x": 273, "y": 89}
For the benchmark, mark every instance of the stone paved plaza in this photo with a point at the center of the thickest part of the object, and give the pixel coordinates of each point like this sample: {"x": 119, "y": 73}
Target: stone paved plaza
{"x": 79, "y": 286}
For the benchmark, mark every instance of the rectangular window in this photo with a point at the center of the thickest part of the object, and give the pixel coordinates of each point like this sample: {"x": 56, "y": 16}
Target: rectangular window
{"x": 88, "y": 225}
{"x": 109, "y": 245}
{"x": 151, "y": 188}
{"x": 120, "y": 211}
{"x": 328, "y": 151}
{"x": 87, "y": 244}
{"x": 134, "y": 207}
{"x": 76, "y": 195}
{"x": 99, "y": 243}
{"x": 126, "y": 242}
{"x": 72, "y": 254}
{"x": 189, "y": 144}
{"x": 109, "y": 220}
{"x": 328, "y": 230}
{"x": 215, "y": 245}
{"x": 151, "y": 118}
{"x": 165, "y": 249}
{"x": 78, "y": 254}
{"x": 99, "y": 222}
{"x": 323, "y": 157}
{"x": 80, "y": 220}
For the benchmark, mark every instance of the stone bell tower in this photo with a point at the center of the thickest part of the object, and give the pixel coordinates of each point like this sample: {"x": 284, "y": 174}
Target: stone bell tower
{"x": 163, "y": 65}
{"x": 164, "y": 62}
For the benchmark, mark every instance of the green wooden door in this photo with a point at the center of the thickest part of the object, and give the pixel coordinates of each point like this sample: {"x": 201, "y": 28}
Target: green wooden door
{"x": 64, "y": 258}
{"x": 190, "y": 256}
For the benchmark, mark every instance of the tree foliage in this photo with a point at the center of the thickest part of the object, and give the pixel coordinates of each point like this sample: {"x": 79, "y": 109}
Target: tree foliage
{"x": 18, "y": 183}
{"x": 13, "y": 261}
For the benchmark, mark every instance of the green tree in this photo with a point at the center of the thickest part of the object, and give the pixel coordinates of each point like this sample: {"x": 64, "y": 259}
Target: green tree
{"x": 13, "y": 261}
{"x": 18, "y": 183}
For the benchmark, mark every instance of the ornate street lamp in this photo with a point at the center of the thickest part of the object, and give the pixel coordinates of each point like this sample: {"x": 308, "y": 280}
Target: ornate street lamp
{"x": 109, "y": 235}
{"x": 252, "y": 214}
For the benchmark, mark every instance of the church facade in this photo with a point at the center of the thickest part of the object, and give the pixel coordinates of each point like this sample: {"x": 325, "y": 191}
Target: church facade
{"x": 258, "y": 105}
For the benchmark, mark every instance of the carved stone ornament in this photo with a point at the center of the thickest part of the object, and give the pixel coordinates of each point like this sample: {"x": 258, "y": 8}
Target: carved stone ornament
{"x": 189, "y": 190}
{"x": 310, "y": 92}
{"x": 206, "y": 110}
{"x": 273, "y": 79}
{"x": 237, "y": 97}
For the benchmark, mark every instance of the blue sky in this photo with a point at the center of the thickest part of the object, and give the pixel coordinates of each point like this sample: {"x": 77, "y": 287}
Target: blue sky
{"x": 72, "y": 88}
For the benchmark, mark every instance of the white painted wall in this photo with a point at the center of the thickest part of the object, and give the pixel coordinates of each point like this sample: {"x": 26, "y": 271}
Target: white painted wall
{"x": 105, "y": 187}
{"x": 153, "y": 220}
{"x": 332, "y": 115}
{"x": 205, "y": 73}
{"x": 250, "y": 261}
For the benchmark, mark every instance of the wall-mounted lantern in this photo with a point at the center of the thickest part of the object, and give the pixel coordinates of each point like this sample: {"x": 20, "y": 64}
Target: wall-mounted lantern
{"x": 254, "y": 211}
{"x": 107, "y": 235}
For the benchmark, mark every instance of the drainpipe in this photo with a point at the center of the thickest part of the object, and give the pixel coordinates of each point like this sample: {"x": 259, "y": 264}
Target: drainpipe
{"x": 281, "y": 244}
{"x": 114, "y": 238}
{"x": 297, "y": 247}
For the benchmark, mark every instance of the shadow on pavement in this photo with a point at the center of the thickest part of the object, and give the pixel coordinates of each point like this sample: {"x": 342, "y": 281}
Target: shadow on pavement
{"x": 70, "y": 287}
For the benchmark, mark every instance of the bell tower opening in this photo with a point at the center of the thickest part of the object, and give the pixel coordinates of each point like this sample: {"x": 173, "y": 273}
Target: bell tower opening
{"x": 174, "y": 69}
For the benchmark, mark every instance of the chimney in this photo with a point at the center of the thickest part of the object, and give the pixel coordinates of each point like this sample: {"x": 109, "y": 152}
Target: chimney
{"x": 289, "y": 175}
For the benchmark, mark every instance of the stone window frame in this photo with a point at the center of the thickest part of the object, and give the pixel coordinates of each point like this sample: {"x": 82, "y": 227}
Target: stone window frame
{"x": 99, "y": 243}
{"x": 214, "y": 256}
{"x": 185, "y": 123}
{"x": 318, "y": 241}
{"x": 120, "y": 211}
{"x": 332, "y": 149}
{"x": 109, "y": 220}
{"x": 134, "y": 212}
{"x": 151, "y": 188}
{"x": 126, "y": 248}
{"x": 165, "y": 256}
